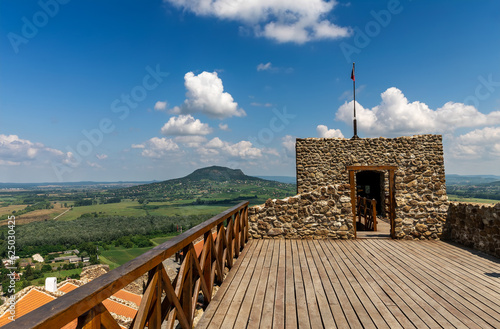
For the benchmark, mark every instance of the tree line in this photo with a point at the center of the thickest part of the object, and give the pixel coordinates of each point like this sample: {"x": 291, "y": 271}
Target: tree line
{"x": 49, "y": 236}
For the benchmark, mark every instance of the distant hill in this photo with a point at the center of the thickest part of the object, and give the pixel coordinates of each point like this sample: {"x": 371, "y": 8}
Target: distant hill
{"x": 282, "y": 179}
{"x": 217, "y": 173}
{"x": 71, "y": 185}
{"x": 473, "y": 186}
{"x": 210, "y": 185}
{"x": 452, "y": 179}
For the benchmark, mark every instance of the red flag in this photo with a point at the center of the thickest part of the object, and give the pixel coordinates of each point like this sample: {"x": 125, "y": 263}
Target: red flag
{"x": 352, "y": 73}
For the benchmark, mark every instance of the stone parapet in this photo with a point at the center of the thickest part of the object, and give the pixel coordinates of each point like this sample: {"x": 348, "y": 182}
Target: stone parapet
{"x": 324, "y": 213}
{"x": 474, "y": 225}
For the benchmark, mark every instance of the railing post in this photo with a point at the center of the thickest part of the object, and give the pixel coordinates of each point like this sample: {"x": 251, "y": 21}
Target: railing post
{"x": 187, "y": 290}
{"x": 236, "y": 244}
{"x": 206, "y": 264}
{"x": 246, "y": 223}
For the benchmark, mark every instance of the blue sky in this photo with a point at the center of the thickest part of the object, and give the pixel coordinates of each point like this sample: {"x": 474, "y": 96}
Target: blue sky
{"x": 144, "y": 90}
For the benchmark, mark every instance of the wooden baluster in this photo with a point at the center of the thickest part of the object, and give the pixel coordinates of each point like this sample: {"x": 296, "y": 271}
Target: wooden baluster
{"x": 236, "y": 244}
{"x": 186, "y": 299}
{"x": 171, "y": 304}
{"x": 358, "y": 208}
{"x": 229, "y": 243}
{"x": 245, "y": 223}
{"x": 364, "y": 212}
{"x": 374, "y": 214}
{"x": 89, "y": 320}
{"x": 148, "y": 300}
{"x": 154, "y": 320}
{"x": 206, "y": 264}
{"x": 219, "y": 254}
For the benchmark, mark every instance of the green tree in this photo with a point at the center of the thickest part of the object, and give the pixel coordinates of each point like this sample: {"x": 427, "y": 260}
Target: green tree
{"x": 28, "y": 271}
{"x": 46, "y": 268}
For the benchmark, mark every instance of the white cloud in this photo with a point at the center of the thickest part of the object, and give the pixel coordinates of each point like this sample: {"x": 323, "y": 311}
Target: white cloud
{"x": 479, "y": 143}
{"x": 264, "y": 67}
{"x": 157, "y": 147}
{"x": 205, "y": 94}
{"x": 185, "y": 125}
{"x": 215, "y": 142}
{"x": 270, "y": 151}
{"x": 395, "y": 115}
{"x": 296, "y": 21}
{"x": 190, "y": 141}
{"x": 160, "y": 106}
{"x": 223, "y": 126}
{"x": 288, "y": 143}
{"x": 93, "y": 164}
{"x": 15, "y": 151}
{"x": 324, "y": 132}
{"x": 101, "y": 156}
{"x": 242, "y": 149}
{"x": 261, "y": 104}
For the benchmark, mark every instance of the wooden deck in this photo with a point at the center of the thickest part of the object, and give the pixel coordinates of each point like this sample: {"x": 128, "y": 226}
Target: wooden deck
{"x": 358, "y": 283}
{"x": 383, "y": 231}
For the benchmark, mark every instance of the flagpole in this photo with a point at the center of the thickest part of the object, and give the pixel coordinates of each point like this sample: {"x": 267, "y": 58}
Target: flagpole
{"x": 354, "y": 93}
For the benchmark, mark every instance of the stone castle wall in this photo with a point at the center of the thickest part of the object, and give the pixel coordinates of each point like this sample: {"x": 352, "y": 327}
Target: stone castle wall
{"x": 324, "y": 213}
{"x": 475, "y": 226}
{"x": 420, "y": 191}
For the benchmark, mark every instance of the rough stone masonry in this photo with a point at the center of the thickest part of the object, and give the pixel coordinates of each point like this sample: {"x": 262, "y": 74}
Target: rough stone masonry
{"x": 322, "y": 208}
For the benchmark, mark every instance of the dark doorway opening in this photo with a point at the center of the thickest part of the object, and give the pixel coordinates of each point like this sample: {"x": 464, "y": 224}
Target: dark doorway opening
{"x": 372, "y": 196}
{"x": 370, "y": 184}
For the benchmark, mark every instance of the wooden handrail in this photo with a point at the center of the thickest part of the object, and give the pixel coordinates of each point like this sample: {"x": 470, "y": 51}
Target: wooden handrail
{"x": 367, "y": 209}
{"x": 196, "y": 274}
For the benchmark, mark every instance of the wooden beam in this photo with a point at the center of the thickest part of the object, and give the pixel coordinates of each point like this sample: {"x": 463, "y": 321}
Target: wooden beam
{"x": 353, "y": 200}
{"x": 392, "y": 202}
{"x": 357, "y": 168}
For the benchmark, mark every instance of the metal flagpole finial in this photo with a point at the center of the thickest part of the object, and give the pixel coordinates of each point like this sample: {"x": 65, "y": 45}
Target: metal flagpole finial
{"x": 355, "y": 126}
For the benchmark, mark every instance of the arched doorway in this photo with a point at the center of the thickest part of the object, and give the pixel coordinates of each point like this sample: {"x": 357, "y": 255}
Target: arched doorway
{"x": 371, "y": 182}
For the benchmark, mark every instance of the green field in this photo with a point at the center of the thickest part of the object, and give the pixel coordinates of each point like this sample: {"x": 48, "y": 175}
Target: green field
{"x": 133, "y": 208}
{"x": 456, "y": 198}
{"x": 63, "y": 274}
{"x": 117, "y": 256}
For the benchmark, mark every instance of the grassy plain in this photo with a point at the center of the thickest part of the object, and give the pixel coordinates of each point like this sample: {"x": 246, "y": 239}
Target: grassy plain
{"x": 452, "y": 197}
{"x": 9, "y": 209}
{"x": 117, "y": 256}
{"x": 32, "y": 216}
{"x": 62, "y": 274}
{"x": 133, "y": 208}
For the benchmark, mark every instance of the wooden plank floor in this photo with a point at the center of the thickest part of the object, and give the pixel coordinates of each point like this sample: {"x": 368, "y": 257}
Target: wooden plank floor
{"x": 362, "y": 283}
{"x": 383, "y": 231}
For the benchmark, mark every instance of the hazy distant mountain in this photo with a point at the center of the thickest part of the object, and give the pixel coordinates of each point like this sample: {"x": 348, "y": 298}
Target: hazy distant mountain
{"x": 217, "y": 173}
{"x": 452, "y": 179}
{"x": 282, "y": 179}
{"x": 214, "y": 183}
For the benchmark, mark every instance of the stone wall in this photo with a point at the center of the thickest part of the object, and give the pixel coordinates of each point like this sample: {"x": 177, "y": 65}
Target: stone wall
{"x": 420, "y": 191}
{"x": 476, "y": 226}
{"x": 324, "y": 213}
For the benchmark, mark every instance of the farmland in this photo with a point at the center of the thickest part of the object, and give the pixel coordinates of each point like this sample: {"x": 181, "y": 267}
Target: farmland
{"x": 116, "y": 256}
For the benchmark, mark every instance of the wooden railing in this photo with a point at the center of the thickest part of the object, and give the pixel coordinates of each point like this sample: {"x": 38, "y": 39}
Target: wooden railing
{"x": 367, "y": 211}
{"x": 163, "y": 299}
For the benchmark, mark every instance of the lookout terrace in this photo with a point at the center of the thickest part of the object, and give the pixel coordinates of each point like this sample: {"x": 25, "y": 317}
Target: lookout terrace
{"x": 308, "y": 261}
